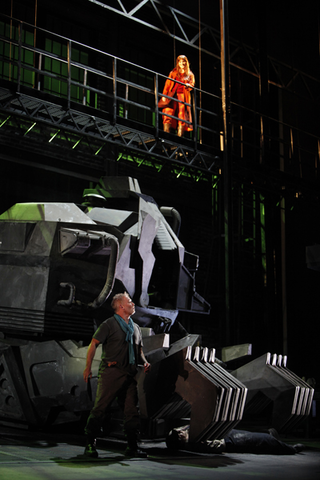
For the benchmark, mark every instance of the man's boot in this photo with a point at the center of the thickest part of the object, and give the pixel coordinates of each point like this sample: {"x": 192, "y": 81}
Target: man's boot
{"x": 132, "y": 449}
{"x": 90, "y": 450}
{"x": 166, "y": 127}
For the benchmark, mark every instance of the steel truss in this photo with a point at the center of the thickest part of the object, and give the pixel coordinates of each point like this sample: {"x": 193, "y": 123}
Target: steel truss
{"x": 196, "y": 33}
{"x": 49, "y": 129}
{"x": 78, "y": 136}
{"x": 93, "y": 139}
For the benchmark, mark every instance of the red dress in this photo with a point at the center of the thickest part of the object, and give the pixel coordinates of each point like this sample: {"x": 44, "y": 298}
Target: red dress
{"x": 177, "y": 109}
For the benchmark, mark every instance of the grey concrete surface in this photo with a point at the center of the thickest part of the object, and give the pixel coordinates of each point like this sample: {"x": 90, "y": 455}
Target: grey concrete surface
{"x": 28, "y": 455}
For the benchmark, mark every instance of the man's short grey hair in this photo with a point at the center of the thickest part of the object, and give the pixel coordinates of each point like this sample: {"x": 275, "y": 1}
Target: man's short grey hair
{"x": 117, "y": 299}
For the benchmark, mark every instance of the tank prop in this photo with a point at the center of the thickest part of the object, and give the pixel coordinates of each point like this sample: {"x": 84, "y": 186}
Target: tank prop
{"x": 59, "y": 265}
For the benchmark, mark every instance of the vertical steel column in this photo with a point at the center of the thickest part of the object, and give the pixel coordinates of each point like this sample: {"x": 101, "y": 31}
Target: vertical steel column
{"x": 227, "y": 170}
{"x": 69, "y": 74}
{"x": 283, "y": 233}
{"x": 84, "y": 90}
{"x": 156, "y": 99}
{"x": 200, "y": 76}
{"x": 35, "y": 40}
{"x": 19, "y": 56}
{"x": 195, "y": 123}
{"x": 114, "y": 90}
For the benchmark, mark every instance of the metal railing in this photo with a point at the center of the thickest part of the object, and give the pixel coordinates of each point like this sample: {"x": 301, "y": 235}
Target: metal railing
{"x": 79, "y": 74}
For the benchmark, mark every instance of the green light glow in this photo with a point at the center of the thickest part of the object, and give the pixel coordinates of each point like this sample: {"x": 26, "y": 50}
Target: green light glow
{"x": 54, "y": 136}
{"x": 29, "y": 129}
{"x": 4, "y": 121}
{"x": 99, "y": 150}
{"x": 76, "y": 144}
{"x": 24, "y": 212}
{"x": 263, "y": 239}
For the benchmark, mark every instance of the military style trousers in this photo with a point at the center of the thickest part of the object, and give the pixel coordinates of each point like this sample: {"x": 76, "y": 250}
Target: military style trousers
{"x": 114, "y": 383}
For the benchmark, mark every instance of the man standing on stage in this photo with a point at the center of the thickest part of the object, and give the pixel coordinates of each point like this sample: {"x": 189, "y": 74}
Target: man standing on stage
{"x": 121, "y": 341}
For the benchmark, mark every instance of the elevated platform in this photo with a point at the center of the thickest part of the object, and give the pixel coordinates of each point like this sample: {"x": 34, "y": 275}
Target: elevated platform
{"x": 44, "y": 124}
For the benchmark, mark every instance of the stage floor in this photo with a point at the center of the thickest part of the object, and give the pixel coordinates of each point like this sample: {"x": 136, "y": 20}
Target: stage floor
{"x": 26, "y": 455}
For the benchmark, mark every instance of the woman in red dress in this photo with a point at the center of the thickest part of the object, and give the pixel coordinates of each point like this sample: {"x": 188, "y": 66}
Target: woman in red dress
{"x": 183, "y": 74}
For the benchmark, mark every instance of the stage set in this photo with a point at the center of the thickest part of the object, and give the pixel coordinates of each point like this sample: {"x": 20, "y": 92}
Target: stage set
{"x": 62, "y": 264}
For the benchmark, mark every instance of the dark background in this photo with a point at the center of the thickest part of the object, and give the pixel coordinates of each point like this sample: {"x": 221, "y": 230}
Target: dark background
{"x": 282, "y": 30}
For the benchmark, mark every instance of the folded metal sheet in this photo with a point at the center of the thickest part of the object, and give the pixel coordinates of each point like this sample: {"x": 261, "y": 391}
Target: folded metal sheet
{"x": 188, "y": 383}
{"x": 229, "y": 413}
{"x": 269, "y": 381}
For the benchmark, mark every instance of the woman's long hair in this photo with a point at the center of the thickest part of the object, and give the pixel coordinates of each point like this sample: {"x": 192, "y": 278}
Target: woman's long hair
{"x": 188, "y": 65}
